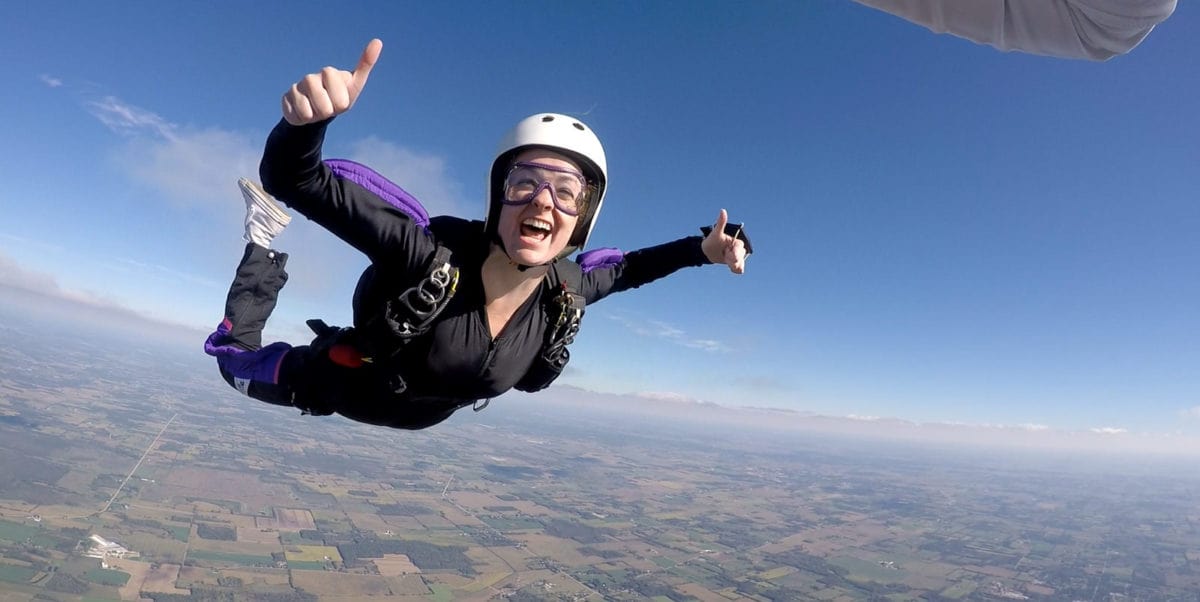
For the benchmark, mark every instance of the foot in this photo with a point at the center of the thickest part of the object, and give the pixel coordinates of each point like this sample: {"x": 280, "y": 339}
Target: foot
{"x": 265, "y": 218}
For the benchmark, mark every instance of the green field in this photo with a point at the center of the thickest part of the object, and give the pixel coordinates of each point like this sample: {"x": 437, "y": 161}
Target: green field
{"x": 238, "y": 559}
{"x": 512, "y": 524}
{"x": 107, "y": 577}
{"x": 180, "y": 532}
{"x": 959, "y": 590}
{"x": 441, "y": 593}
{"x": 867, "y": 570}
{"x": 293, "y": 538}
{"x": 302, "y": 565}
{"x": 16, "y": 574}
{"x": 16, "y": 532}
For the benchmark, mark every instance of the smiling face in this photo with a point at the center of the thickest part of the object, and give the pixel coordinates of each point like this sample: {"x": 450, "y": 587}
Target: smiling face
{"x": 535, "y": 233}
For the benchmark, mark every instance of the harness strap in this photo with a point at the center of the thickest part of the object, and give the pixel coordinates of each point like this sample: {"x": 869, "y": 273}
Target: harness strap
{"x": 564, "y": 313}
{"x": 569, "y": 305}
{"x": 411, "y": 313}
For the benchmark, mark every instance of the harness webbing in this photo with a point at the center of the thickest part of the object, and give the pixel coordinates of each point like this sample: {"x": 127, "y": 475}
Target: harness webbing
{"x": 413, "y": 311}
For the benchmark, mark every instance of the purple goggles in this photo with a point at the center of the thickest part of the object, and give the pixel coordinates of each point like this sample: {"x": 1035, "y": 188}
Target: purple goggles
{"x": 526, "y": 180}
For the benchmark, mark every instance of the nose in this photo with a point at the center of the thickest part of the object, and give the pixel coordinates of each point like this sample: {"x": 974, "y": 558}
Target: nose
{"x": 544, "y": 198}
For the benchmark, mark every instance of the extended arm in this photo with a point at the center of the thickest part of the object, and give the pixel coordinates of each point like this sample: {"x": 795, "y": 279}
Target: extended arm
{"x": 342, "y": 202}
{"x": 608, "y": 271}
{"x": 292, "y": 171}
{"x": 1081, "y": 29}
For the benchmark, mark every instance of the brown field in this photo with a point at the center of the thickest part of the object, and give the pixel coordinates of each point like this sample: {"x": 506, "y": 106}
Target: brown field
{"x": 58, "y": 515}
{"x": 368, "y": 522}
{"x": 392, "y": 565}
{"x": 560, "y": 585}
{"x": 147, "y": 578}
{"x": 451, "y": 580}
{"x": 494, "y": 558}
{"x": 484, "y": 561}
{"x": 273, "y": 577}
{"x": 476, "y": 499}
{"x": 701, "y": 594}
{"x": 239, "y": 521}
{"x": 456, "y": 516}
{"x": 311, "y": 553}
{"x": 256, "y": 535}
{"x": 485, "y": 581}
{"x": 993, "y": 571}
{"x": 531, "y": 509}
{"x": 195, "y": 575}
{"x": 429, "y": 521}
{"x": 76, "y": 480}
{"x": 203, "y": 508}
{"x": 931, "y": 575}
{"x": 18, "y": 511}
{"x": 1040, "y": 590}
{"x": 152, "y": 545}
{"x": 402, "y": 523}
{"x": 235, "y": 547}
{"x": 562, "y": 550}
{"x": 408, "y": 585}
{"x": 207, "y": 483}
{"x": 325, "y": 583}
{"x": 287, "y": 519}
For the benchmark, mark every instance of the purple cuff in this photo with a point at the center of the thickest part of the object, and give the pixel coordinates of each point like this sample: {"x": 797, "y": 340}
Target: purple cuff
{"x": 260, "y": 365}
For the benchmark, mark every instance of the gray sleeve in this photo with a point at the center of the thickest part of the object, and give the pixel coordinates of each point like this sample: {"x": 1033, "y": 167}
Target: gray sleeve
{"x": 1080, "y": 29}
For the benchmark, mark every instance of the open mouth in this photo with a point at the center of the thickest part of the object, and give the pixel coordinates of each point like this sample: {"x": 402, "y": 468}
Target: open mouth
{"x": 536, "y": 228}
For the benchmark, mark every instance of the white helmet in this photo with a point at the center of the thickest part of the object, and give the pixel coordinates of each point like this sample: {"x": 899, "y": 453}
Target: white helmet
{"x": 559, "y": 133}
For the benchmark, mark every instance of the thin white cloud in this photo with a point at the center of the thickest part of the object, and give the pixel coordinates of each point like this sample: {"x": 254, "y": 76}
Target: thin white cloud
{"x": 191, "y": 165}
{"x": 1192, "y": 413}
{"x": 662, "y": 330}
{"x": 50, "y": 81}
{"x": 15, "y": 276}
{"x": 34, "y": 243}
{"x": 124, "y": 118}
{"x": 762, "y": 383}
{"x": 422, "y": 175}
{"x": 194, "y": 167}
{"x": 164, "y": 273}
{"x": 41, "y": 294}
{"x": 1109, "y": 430}
{"x": 185, "y": 165}
{"x": 665, "y": 396}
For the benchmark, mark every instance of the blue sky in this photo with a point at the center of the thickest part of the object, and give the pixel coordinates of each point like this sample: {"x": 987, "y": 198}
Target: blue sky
{"x": 945, "y": 232}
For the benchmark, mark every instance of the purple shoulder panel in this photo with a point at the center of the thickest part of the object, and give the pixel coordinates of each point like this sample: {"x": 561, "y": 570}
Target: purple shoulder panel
{"x": 599, "y": 258}
{"x": 387, "y": 190}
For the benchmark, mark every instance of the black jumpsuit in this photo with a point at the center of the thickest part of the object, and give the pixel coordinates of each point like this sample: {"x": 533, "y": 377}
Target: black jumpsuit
{"x": 457, "y": 361}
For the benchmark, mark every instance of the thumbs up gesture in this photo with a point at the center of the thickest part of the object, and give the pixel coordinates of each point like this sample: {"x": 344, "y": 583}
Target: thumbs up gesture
{"x": 331, "y": 92}
{"x": 720, "y": 247}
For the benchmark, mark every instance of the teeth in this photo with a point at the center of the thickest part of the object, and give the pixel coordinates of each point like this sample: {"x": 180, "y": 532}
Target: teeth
{"x": 537, "y": 223}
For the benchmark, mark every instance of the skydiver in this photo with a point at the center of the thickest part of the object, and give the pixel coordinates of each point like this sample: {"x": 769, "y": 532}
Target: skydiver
{"x": 450, "y": 312}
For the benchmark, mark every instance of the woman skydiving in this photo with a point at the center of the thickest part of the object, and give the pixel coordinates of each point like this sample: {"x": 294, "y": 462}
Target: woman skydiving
{"x": 450, "y": 312}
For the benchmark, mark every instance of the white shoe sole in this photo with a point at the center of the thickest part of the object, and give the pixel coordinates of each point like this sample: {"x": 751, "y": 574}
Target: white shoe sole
{"x": 256, "y": 196}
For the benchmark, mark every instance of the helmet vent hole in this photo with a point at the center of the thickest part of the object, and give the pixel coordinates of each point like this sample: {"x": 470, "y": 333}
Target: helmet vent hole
{"x": 578, "y": 126}
{"x": 547, "y": 118}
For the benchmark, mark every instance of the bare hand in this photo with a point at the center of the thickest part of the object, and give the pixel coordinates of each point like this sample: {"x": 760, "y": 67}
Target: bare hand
{"x": 320, "y": 96}
{"x": 720, "y": 247}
